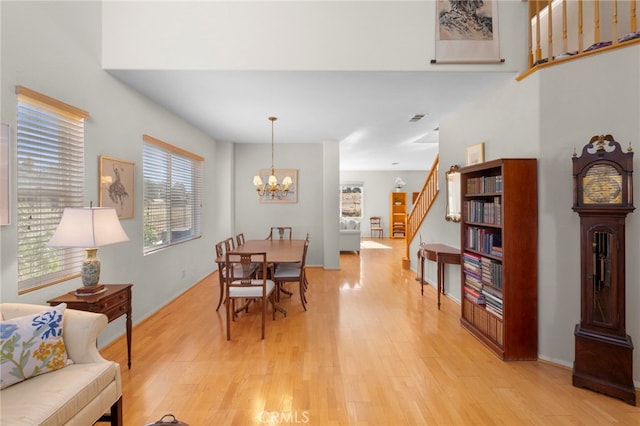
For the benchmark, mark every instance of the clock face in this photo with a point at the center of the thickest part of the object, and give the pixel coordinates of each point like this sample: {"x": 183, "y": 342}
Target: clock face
{"x": 602, "y": 184}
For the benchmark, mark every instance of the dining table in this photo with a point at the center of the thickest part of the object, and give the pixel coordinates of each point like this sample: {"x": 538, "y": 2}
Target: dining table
{"x": 278, "y": 251}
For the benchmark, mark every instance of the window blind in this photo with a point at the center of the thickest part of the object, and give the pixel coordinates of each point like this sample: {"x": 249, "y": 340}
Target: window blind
{"x": 172, "y": 194}
{"x": 50, "y": 177}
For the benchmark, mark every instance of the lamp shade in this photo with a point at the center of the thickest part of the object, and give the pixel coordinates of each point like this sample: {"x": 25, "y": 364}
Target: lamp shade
{"x": 88, "y": 227}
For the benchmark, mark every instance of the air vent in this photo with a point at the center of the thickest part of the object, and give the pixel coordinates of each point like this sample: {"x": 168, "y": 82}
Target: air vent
{"x": 416, "y": 118}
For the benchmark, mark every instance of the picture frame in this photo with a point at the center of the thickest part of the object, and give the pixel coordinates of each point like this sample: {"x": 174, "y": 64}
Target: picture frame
{"x": 117, "y": 186}
{"x": 292, "y": 195}
{"x": 5, "y": 173}
{"x": 475, "y": 154}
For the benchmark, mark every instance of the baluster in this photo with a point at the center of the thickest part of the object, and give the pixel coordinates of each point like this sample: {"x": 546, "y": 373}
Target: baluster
{"x": 580, "y": 28}
{"x": 565, "y": 41}
{"x": 550, "y": 31}
{"x": 614, "y": 24}
{"x": 596, "y": 21}
{"x": 538, "y": 49}
{"x": 530, "y": 55}
{"x": 634, "y": 22}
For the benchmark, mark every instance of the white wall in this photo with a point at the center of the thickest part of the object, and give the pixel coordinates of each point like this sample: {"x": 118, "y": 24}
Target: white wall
{"x": 289, "y": 35}
{"x": 54, "y": 48}
{"x": 254, "y": 218}
{"x": 601, "y": 96}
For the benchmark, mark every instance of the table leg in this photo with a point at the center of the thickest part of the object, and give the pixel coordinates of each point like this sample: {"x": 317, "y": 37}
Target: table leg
{"x": 129, "y": 338}
{"x": 422, "y": 276}
{"x": 440, "y": 281}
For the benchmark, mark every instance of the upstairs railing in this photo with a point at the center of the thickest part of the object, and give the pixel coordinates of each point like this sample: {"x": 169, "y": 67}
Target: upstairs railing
{"x": 563, "y": 29}
{"x": 421, "y": 207}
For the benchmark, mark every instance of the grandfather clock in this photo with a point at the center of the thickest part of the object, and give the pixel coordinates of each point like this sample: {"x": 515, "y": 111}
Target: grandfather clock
{"x": 603, "y": 196}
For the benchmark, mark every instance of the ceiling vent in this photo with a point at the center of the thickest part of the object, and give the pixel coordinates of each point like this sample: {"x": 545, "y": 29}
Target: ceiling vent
{"x": 416, "y": 118}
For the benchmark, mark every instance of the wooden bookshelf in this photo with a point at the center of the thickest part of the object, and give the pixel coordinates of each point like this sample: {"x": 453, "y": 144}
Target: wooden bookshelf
{"x": 499, "y": 240}
{"x": 398, "y": 215}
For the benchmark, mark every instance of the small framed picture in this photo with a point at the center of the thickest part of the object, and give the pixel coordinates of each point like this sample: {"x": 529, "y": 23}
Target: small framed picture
{"x": 117, "y": 185}
{"x": 475, "y": 154}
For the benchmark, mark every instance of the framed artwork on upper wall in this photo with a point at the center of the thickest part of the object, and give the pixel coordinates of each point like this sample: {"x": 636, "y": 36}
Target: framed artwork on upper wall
{"x": 475, "y": 154}
{"x": 117, "y": 185}
{"x": 4, "y": 174}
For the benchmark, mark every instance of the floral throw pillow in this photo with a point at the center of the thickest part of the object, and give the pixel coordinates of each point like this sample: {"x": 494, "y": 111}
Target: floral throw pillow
{"x": 31, "y": 345}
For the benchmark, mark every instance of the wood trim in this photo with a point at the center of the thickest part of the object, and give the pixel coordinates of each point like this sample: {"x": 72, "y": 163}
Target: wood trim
{"x": 51, "y": 102}
{"x": 172, "y": 148}
{"x": 578, "y": 56}
{"x": 49, "y": 283}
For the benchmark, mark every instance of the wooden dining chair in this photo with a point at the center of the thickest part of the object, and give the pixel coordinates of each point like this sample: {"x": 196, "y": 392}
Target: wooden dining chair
{"x": 221, "y": 249}
{"x": 240, "y": 239}
{"x": 280, "y": 232}
{"x": 376, "y": 226}
{"x": 293, "y": 272}
{"x": 221, "y": 270}
{"x": 229, "y": 244}
{"x": 245, "y": 287}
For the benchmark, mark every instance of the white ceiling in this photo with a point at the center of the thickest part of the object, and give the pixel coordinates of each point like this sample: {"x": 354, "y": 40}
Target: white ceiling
{"x": 367, "y": 112}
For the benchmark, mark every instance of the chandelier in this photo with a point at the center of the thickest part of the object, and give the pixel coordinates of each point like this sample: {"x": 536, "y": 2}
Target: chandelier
{"x": 272, "y": 189}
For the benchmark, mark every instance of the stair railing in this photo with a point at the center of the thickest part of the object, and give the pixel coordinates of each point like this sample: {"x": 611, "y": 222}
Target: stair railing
{"x": 421, "y": 207}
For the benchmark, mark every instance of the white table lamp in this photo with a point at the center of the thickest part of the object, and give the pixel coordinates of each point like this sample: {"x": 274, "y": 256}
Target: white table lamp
{"x": 88, "y": 228}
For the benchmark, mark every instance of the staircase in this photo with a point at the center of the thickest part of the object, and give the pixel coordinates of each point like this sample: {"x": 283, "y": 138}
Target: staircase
{"x": 420, "y": 208}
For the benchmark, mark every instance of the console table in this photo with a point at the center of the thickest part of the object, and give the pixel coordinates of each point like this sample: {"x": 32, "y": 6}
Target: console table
{"x": 442, "y": 254}
{"x": 114, "y": 302}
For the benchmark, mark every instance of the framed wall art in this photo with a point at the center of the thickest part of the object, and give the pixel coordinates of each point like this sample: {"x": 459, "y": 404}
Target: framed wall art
{"x": 291, "y": 196}
{"x": 4, "y": 174}
{"x": 475, "y": 154}
{"x": 467, "y": 32}
{"x": 117, "y": 185}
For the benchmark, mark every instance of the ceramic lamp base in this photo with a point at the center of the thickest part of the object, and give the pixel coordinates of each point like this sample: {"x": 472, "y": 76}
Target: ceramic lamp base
{"x": 90, "y": 268}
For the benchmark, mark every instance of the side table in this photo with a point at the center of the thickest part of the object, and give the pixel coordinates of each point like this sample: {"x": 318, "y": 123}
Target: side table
{"x": 442, "y": 254}
{"x": 114, "y": 302}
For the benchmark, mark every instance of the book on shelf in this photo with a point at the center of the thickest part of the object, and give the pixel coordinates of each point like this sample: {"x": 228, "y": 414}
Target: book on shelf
{"x": 482, "y": 239}
{"x": 495, "y": 292}
{"x": 494, "y": 311}
{"x": 484, "y": 185}
{"x": 473, "y": 282}
{"x": 491, "y": 299}
{"x": 473, "y": 295}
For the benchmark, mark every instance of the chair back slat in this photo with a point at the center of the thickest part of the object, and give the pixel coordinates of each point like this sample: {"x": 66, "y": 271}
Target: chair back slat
{"x": 280, "y": 232}
{"x": 229, "y": 244}
{"x": 240, "y": 268}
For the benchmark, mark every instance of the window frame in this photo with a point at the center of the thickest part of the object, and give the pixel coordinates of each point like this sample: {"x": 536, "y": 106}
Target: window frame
{"x": 174, "y": 170}
{"x": 50, "y": 177}
{"x": 347, "y": 188}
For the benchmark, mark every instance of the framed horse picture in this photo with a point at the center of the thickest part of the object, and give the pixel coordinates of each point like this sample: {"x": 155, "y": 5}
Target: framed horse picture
{"x": 117, "y": 185}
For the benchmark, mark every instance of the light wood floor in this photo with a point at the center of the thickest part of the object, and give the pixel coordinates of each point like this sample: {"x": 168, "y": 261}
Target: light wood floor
{"x": 369, "y": 351}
